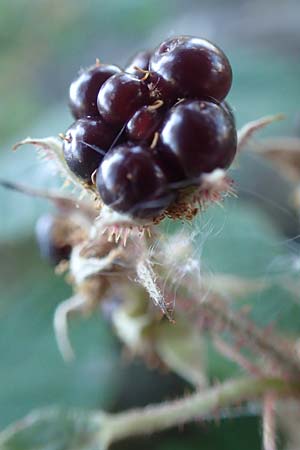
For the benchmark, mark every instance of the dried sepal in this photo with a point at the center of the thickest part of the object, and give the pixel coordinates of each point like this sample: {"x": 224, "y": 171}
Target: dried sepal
{"x": 82, "y": 267}
{"x": 51, "y": 149}
{"x": 65, "y": 204}
{"x": 88, "y": 295}
{"x": 215, "y": 186}
{"x": 97, "y": 247}
{"x": 246, "y": 132}
{"x": 147, "y": 277}
{"x": 75, "y": 304}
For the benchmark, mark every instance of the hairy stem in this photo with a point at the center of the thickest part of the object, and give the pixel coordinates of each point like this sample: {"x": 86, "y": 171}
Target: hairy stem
{"x": 276, "y": 351}
{"x": 233, "y": 353}
{"x": 211, "y": 312}
{"x": 155, "y": 418}
{"x": 269, "y": 425}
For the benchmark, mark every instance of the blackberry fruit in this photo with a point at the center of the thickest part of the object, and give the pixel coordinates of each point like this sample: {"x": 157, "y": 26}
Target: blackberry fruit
{"x": 144, "y": 123}
{"x": 129, "y": 181}
{"x": 193, "y": 66}
{"x": 160, "y": 89}
{"x": 147, "y": 137}
{"x": 200, "y": 136}
{"x": 85, "y": 145}
{"x": 120, "y": 96}
{"x": 84, "y": 90}
{"x": 50, "y": 239}
{"x": 139, "y": 61}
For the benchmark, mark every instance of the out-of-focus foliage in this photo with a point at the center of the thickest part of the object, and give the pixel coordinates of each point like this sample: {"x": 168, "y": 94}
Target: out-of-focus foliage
{"x": 32, "y": 371}
{"x": 43, "y": 44}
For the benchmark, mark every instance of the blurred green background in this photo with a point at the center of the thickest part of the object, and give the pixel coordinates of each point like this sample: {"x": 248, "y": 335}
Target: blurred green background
{"x": 43, "y": 44}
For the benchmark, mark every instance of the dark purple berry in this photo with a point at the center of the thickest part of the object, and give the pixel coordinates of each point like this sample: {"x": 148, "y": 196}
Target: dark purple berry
{"x": 129, "y": 181}
{"x": 84, "y": 90}
{"x": 50, "y": 234}
{"x": 120, "y": 96}
{"x": 144, "y": 123}
{"x": 170, "y": 166}
{"x": 139, "y": 61}
{"x": 193, "y": 66}
{"x": 200, "y": 135}
{"x": 85, "y": 145}
{"x": 160, "y": 89}
{"x": 229, "y": 110}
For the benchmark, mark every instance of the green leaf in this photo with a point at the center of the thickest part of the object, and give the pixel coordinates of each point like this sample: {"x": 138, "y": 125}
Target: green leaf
{"x": 55, "y": 429}
{"x": 33, "y": 373}
{"x": 238, "y": 239}
{"x": 228, "y": 434}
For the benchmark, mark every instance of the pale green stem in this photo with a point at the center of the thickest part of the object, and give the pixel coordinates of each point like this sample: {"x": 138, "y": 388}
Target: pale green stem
{"x": 155, "y": 418}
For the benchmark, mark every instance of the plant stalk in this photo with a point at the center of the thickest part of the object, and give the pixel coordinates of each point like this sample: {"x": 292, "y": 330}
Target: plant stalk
{"x": 153, "y": 418}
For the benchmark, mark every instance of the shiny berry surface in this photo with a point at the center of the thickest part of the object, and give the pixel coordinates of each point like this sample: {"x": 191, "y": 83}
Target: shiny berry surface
{"x": 130, "y": 182}
{"x": 84, "y": 90}
{"x": 52, "y": 248}
{"x": 85, "y": 145}
{"x": 120, "y": 97}
{"x": 161, "y": 89}
{"x": 170, "y": 166}
{"x": 229, "y": 110}
{"x": 200, "y": 135}
{"x": 144, "y": 123}
{"x": 194, "y": 66}
{"x": 139, "y": 61}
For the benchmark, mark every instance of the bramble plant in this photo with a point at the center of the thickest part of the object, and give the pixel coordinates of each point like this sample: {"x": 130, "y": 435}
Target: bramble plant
{"x": 151, "y": 143}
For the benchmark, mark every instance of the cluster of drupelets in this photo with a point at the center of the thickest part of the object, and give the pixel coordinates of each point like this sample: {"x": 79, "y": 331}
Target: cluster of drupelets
{"x": 145, "y": 134}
